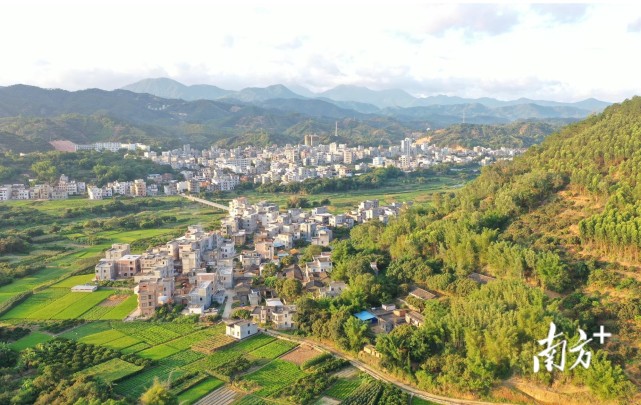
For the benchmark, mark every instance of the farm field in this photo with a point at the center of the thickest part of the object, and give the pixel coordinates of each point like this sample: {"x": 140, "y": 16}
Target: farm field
{"x": 112, "y": 370}
{"x": 73, "y": 247}
{"x": 343, "y": 388}
{"x": 275, "y": 376}
{"x": 342, "y": 201}
{"x": 198, "y": 391}
{"x": 59, "y": 303}
{"x": 30, "y": 341}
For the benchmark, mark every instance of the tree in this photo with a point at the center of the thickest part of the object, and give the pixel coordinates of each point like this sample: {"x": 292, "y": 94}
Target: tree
{"x": 8, "y": 357}
{"x": 290, "y": 289}
{"x": 356, "y": 334}
{"x": 158, "y": 394}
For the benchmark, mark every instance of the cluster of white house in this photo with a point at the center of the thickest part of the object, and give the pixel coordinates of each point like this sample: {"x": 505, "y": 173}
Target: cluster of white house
{"x": 295, "y": 163}
{"x": 174, "y": 272}
{"x": 201, "y": 267}
{"x": 60, "y": 191}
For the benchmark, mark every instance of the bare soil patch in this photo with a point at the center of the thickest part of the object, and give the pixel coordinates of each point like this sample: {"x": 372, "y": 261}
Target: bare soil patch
{"x": 301, "y": 355}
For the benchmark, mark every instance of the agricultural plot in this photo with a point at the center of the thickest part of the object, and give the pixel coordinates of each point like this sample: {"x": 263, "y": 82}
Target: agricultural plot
{"x": 198, "y": 391}
{"x": 135, "y": 385}
{"x": 252, "y": 400}
{"x": 86, "y": 330}
{"x": 122, "y": 310}
{"x": 30, "y": 340}
{"x": 153, "y": 335}
{"x": 96, "y": 313}
{"x": 102, "y": 338}
{"x": 112, "y": 370}
{"x": 122, "y": 343}
{"x": 275, "y": 376}
{"x": 172, "y": 366}
{"x": 221, "y": 396}
{"x": 185, "y": 342}
{"x": 301, "y": 355}
{"x": 35, "y": 302}
{"x": 183, "y": 358}
{"x": 158, "y": 352}
{"x": 81, "y": 306}
{"x": 211, "y": 344}
{"x": 56, "y": 303}
{"x": 74, "y": 281}
{"x": 342, "y": 389}
{"x": 272, "y": 350}
{"x": 135, "y": 348}
{"x": 231, "y": 352}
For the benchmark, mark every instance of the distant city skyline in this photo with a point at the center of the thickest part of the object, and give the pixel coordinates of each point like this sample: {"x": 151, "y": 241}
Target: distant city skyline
{"x": 562, "y": 52}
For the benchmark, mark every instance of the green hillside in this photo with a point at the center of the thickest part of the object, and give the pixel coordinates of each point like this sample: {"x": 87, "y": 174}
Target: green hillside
{"x": 559, "y": 228}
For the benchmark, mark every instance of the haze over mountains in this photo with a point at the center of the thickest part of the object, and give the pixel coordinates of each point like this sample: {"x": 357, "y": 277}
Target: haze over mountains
{"x": 381, "y": 99}
{"x": 165, "y": 113}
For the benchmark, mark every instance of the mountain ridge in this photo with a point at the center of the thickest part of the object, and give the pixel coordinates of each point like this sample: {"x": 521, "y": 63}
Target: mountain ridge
{"x": 351, "y": 93}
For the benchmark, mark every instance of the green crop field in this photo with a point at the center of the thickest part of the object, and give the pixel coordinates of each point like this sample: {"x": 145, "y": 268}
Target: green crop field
{"x": 199, "y": 390}
{"x": 101, "y": 338}
{"x": 81, "y": 306}
{"x": 275, "y": 376}
{"x": 158, "y": 352}
{"x": 272, "y": 350}
{"x": 231, "y": 352}
{"x": 112, "y": 370}
{"x": 135, "y": 348}
{"x": 122, "y": 310}
{"x": 86, "y": 330}
{"x": 122, "y": 343}
{"x": 343, "y": 388}
{"x": 74, "y": 280}
{"x": 30, "y": 341}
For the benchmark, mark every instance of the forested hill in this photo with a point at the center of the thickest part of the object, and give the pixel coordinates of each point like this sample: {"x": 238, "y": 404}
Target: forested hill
{"x": 518, "y": 134}
{"x": 560, "y": 230}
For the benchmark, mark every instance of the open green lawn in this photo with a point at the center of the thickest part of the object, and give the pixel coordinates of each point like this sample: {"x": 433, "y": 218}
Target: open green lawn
{"x": 199, "y": 390}
{"x": 30, "y": 341}
{"x": 112, "y": 370}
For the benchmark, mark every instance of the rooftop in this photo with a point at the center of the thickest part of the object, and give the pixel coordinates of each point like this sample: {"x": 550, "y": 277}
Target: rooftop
{"x": 365, "y": 315}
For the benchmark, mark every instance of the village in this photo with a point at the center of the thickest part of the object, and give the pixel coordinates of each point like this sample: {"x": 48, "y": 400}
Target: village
{"x": 222, "y": 271}
{"x": 221, "y": 170}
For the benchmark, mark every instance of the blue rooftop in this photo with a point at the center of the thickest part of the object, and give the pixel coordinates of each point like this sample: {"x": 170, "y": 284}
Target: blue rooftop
{"x": 365, "y": 316}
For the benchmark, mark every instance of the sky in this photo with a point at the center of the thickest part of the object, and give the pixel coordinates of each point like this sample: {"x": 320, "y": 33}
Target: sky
{"x": 563, "y": 52}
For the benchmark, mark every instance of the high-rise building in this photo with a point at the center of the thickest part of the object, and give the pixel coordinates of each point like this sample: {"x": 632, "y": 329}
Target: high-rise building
{"x": 406, "y": 147}
{"x": 311, "y": 140}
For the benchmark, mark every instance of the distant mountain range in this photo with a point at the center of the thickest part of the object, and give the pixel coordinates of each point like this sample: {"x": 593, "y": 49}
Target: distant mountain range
{"x": 165, "y": 113}
{"x": 354, "y": 95}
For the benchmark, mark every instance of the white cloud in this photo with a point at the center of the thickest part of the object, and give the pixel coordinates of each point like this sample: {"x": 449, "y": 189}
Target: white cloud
{"x": 564, "y": 52}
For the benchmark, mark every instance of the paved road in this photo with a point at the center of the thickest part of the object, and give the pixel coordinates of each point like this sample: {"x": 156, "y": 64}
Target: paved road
{"x": 227, "y": 311}
{"x": 211, "y": 204}
{"x": 378, "y": 374}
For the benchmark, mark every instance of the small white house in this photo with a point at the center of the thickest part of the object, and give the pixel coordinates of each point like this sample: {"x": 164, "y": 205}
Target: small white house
{"x": 241, "y": 329}
{"x": 84, "y": 288}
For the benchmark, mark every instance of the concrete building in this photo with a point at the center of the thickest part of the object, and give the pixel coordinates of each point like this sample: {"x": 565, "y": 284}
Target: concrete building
{"x": 241, "y": 329}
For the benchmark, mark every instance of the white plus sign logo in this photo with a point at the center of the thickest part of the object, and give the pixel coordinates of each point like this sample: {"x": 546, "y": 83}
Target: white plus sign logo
{"x": 601, "y": 335}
